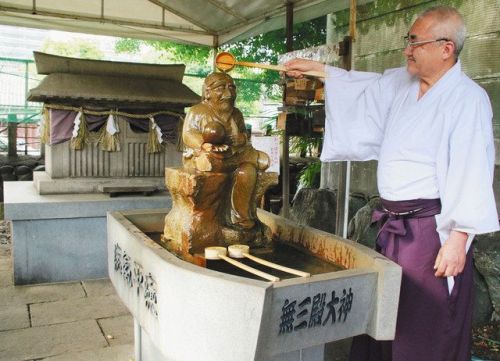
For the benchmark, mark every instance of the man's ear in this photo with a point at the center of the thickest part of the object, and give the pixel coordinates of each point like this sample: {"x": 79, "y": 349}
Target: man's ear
{"x": 448, "y": 50}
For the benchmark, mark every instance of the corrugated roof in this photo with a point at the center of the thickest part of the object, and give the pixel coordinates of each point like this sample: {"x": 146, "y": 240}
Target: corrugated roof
{"x": 95, "y": 81}
{"x": 204, "y": 22}
{"x": 48, "y": 64}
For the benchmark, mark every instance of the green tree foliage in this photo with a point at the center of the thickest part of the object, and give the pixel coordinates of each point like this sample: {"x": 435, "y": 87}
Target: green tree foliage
{"x": 77, "y": 48}
{"x": 265, "y": 48}
{"x": 127, "y": 45}
{"x": 252, "y": 83}
{"x": 310, "y": 175}
{"x": 194, "y": 56}
{"x": 306, "y": 146}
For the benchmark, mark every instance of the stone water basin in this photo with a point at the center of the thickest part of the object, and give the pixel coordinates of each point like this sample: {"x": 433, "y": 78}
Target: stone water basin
{"x": 185, "y": 312}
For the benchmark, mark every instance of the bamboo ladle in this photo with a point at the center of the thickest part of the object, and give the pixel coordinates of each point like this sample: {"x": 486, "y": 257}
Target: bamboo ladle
{"x": 215, "y": 253}
{"x": 242, "y": 251}
{"x": 226, "y": 62}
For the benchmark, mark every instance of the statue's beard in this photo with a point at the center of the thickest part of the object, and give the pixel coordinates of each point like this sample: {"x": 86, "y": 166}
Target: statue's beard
{"x": 224, "y": 105}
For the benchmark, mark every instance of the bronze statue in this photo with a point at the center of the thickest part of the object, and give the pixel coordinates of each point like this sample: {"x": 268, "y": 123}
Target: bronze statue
{"x": 220, "y": 172}
{"x": 216, "y": 140}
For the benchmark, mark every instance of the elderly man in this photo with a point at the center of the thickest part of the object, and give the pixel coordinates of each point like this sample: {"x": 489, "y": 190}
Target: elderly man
{"x": 429, "y": 127}
{"x": 215, "y": 138}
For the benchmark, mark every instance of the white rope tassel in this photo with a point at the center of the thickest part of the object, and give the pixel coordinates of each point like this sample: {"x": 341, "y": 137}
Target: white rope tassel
{"x": 157, "y": 129}
{"x": 108, "y": 138}
{"x": 76, "y": 124}
{"x": 112, "y": 125}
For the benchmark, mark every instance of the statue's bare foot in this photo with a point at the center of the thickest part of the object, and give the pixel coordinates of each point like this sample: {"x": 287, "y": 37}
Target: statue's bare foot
{"x": 245, "y": 223}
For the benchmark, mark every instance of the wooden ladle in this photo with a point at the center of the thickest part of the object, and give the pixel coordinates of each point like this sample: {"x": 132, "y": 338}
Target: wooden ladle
{"x": 215, "y": 253}
{"x": 226, "y": 62}
{"x": 242, "y": 251}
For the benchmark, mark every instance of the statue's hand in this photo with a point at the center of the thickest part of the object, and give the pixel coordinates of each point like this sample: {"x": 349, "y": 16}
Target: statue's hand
{"x": 238, "y": 139}
{"x": 209, "y": 147}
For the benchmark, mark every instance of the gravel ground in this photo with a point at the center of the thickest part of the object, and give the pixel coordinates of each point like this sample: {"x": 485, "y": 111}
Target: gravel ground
{"x": 5, "y": 235}
{"x": 486, "y": 342}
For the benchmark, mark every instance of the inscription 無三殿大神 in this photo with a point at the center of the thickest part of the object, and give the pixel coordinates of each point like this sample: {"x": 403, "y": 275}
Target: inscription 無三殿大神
{"x": 134, "y": 277}
{"x": 309, "y": 312}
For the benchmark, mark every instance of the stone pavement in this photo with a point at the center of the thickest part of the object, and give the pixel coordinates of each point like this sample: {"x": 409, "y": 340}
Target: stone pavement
{"x": 75, "y": 321}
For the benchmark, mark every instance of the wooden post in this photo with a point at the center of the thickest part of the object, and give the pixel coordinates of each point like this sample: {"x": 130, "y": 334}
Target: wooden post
{"x": 285, "y": 151}
{"x": 345, "y": 50}
{"x": 215, "y": 48}
{"x": 12, "y": 135}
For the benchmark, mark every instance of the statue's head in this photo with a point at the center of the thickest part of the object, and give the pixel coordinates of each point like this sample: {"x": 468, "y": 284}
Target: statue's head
{"x": 219, "y": 90}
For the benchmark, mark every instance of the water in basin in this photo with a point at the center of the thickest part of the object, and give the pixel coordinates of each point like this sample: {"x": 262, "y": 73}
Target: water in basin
{"x": 281, "y": 253}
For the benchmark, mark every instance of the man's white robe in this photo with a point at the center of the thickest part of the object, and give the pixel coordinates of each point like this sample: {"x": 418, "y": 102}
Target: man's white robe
{"x": 438, "y": 146}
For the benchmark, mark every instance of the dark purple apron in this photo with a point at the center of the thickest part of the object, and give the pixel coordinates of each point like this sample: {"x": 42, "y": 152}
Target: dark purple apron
{"x": 432, "y": 325}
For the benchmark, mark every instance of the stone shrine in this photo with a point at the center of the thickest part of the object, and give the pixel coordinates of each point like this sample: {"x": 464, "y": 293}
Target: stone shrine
{"x": 109, "y": 128}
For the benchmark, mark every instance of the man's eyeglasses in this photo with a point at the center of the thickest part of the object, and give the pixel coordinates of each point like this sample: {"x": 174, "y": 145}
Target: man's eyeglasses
{"x": 408, "y": 41}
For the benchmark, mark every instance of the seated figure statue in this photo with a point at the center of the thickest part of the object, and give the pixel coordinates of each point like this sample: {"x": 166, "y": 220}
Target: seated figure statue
{"x": 216, "y": 140}
{"x": 214, "y": 193}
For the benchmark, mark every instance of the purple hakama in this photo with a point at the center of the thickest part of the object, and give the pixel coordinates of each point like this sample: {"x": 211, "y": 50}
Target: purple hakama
{"x": 432, "y": 324}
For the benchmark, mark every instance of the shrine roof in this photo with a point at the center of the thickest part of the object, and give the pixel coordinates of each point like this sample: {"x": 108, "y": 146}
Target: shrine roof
{"x": 81, "y": 80}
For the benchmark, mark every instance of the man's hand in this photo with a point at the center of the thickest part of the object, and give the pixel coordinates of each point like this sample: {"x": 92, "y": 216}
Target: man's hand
{"x": 295, "y": 67}
{"x": 209, "y": 147}
{"x": 450, "y": 260}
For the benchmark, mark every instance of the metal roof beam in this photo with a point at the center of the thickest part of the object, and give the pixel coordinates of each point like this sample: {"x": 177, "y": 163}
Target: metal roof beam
{"x": 227, "y": 10}
{"x": 278, "y": 11}
{"x": 103, "y": 20}
{"x": 182, "y": 16}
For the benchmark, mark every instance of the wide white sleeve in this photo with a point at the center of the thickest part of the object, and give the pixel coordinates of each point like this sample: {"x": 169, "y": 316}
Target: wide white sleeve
{"x": 466, "y": 181}
{"x": 356, "y": 111}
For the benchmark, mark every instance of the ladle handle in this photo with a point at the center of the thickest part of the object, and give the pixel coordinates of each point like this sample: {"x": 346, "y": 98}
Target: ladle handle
{"x": 243, "y": 266}
{"x": 318, "y": 74}
{"x": 277, "y": 266}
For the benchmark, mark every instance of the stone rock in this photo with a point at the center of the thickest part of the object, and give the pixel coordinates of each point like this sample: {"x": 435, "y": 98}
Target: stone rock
{"x": 26, "y": 162}
{"x": 39, "y": 168}
{"x": 22, "y": 170}
{"x": 193, "y": 223}
{"x": 7, "y": 173}
{"x": 360, "y": 227}
{"x": 482, "y": 309}
{"x": 201, "y": 213}
{"x": 23, "y": 173}
{"x": 487, "y": 261}
{"x": 356, "y": 202}
{"x": 25, "y": 177}
{"x": 315, "y": 208}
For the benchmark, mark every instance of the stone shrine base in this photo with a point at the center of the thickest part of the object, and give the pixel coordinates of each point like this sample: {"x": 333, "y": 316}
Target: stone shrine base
{"x": 201, "y": 209}
{"x": 47, "y": 185}
{"x": 58, "y": 238}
